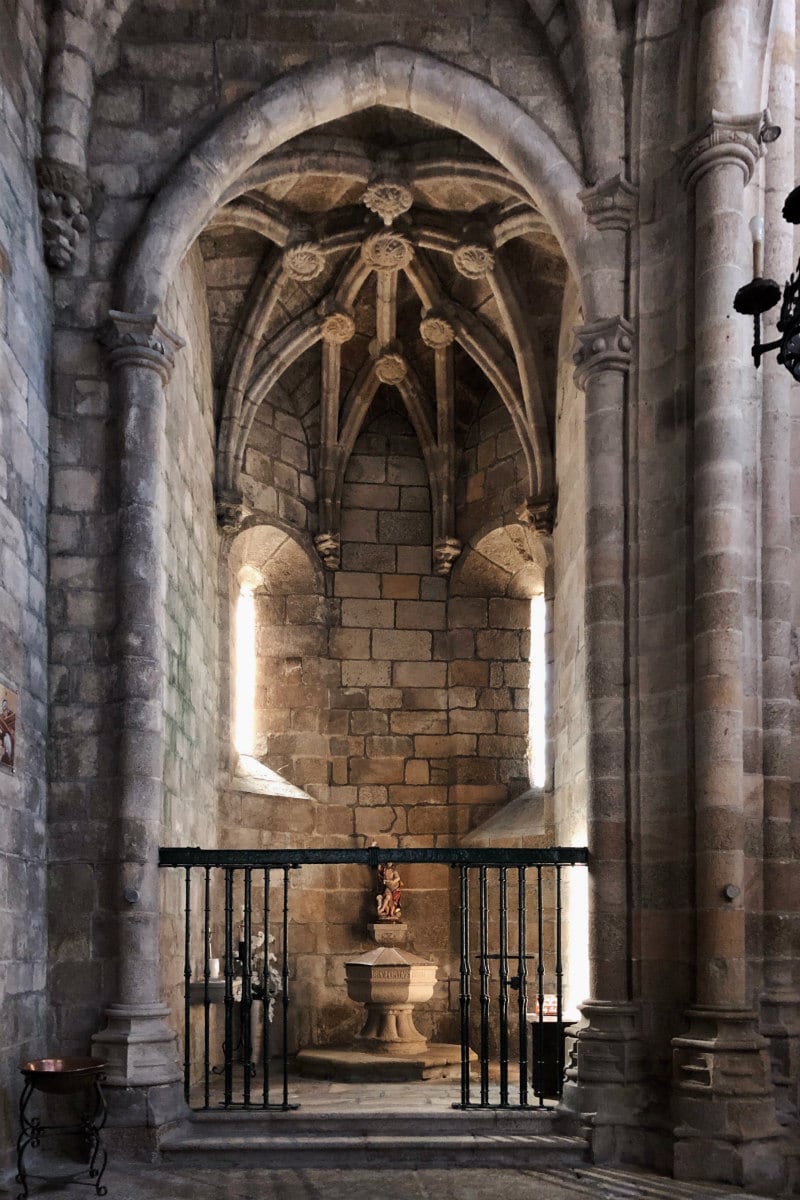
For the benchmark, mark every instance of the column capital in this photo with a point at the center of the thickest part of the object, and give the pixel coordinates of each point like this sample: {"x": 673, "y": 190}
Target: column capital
{"x": 611, "y": 204}
{"x": 725, "y": 139}
{"x": 604, "y": 345}
{"x": 66, "y": 203}
{"x": 139, "y": 339}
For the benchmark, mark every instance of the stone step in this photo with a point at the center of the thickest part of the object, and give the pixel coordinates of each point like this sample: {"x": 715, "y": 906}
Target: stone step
{"x": 484, "y": 1138}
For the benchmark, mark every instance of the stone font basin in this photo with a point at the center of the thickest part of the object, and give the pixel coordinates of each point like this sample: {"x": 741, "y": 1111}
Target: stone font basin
{"x": 389, "y": 982}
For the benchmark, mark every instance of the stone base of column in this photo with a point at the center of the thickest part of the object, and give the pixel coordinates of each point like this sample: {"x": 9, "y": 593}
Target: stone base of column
{"x": 607, "y": 1086}
{"x": 138, "y": 1045}
{"x": 780, "y": 1025}
{"x": 727, "y": 1128}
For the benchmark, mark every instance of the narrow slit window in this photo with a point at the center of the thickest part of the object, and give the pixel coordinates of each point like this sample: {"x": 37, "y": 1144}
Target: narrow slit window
{"x": 245, "y": 671}
{"x": 537, "y": 740}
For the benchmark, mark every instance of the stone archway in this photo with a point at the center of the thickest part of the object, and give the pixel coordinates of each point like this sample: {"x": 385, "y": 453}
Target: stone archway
{"x": 142, "y": 351}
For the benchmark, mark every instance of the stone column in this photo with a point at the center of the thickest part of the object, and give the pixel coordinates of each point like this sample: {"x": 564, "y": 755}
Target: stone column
{"x": 780, "y": 1002}
{"x": 137, "y": 1043}
{"x": 609, "y": 1068}
{"x": 725, "y": 1103}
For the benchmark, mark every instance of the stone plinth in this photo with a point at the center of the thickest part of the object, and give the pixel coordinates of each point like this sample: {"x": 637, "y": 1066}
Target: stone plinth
{"x": 388, "y": 933}
{"x": 390, "y": 1049}
{"x": 389, "y": 982}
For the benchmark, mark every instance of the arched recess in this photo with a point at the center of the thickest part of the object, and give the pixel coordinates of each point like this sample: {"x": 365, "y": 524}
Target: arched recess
{"x": 273, "y": 569}
{"x": 390, "y": 76}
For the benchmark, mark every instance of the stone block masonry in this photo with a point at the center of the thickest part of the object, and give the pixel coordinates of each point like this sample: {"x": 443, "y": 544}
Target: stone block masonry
{"x": 25, "y": 340}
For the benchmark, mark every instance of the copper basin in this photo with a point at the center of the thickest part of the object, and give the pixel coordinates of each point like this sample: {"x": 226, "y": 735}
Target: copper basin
{"x": 61, "y": 1076}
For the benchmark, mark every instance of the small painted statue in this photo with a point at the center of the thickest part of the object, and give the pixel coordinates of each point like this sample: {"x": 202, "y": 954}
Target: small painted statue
{"x": 389, "y": 897}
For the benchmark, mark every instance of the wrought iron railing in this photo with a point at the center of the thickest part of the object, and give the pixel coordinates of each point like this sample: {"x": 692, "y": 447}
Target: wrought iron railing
{"x": 510, "y": 915}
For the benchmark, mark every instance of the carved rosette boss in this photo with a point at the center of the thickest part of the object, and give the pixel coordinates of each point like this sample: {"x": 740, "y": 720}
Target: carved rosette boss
{"x": 338, "y": 328}
{"x": 388, "y": 198}
{"x": 436, "y": 331}
{"x": 65, "y": 199}
{"x": 303, "y": 261}
{"x": 387, "y": 251}
{"x": 391, "y": 368}
{"x": 473, "y": 260}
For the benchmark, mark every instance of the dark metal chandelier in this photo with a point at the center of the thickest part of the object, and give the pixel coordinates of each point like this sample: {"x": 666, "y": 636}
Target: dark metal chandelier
{"x": 760, "y": 295}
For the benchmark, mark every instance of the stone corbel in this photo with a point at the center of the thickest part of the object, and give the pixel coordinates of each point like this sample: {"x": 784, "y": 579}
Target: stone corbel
{"x": 66, "y": 203}
{"x": 604, "y": 345}
{"x": 725, "y": 139}
{"x": 445, "y": 552}
{"x": 230, "y": 511}
{"x": 329, "y": 547}
{"x": 611, "y": 204}
{"x": 539, "y": 514}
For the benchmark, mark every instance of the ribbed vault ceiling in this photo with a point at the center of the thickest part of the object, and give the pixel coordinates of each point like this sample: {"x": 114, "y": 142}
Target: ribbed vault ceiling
{"x": 377, "y": 254}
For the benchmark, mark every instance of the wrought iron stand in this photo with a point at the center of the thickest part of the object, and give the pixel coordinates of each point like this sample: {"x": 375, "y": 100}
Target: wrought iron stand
{"x": 89, "y": 1127}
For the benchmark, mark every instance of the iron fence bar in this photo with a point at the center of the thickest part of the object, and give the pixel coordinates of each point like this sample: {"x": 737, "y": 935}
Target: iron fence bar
{"x": 484, "y": 974}
{"x": 245, "y": 954}
{"x": 465, "y": 985}
{"x": 532, "y": 1065}
{"x": 227, "y": 1046}
{"x": 187, "y": 984}
{"x": 503, "y": 997}
{"x": 539, "y": 1085}
{"x": 285, "y": 981}
{"x": 194, "y": 856}
{"x": 522, "y": 976}
{"x": 206, "y": 996}
{"x": 559, "y": 992}
{"x": 265, "y": 1052}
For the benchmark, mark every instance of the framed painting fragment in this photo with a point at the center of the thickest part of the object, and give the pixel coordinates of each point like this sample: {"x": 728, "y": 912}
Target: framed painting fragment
{"x": 9, "y": 708}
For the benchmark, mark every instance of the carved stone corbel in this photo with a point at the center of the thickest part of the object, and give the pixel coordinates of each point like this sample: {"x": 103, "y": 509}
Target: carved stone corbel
{"x": 329, "y": 548}
{"x": 65, "y": 200}
{"x": 230, "y": 511}
{"x": 445, "y": 552}
{"x": 539, "y": 514}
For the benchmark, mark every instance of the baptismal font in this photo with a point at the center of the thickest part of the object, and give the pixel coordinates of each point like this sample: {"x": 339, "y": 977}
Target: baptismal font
{"x": 389, "y": 982}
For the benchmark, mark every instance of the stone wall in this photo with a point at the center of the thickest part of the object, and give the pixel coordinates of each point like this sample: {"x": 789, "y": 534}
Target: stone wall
{"x": 25, "y": 317}
{"x": 660, "y": 483}
{"x": 390, "y": 703}
{"x": 175, "y": 69}
{"x": 568, "y": 818}
{"x": 191, "y": 550}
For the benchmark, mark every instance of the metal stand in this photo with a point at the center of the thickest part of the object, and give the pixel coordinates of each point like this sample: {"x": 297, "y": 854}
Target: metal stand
{"x": 89, "y": 1128}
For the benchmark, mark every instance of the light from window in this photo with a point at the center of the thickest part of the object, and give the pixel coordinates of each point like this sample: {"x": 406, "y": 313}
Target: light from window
{"x": 536, "y": 697}
{"x": 245, "y": 735}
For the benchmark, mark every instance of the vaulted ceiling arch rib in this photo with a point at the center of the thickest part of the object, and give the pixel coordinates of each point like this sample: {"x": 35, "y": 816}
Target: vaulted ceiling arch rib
{"x": 389, "y": 76}
{"x": 247, "y": 386}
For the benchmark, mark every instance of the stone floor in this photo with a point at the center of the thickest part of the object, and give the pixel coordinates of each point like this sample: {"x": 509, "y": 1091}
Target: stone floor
{"x": 134, "y": 1182}
{"x": 316, "y": 1098}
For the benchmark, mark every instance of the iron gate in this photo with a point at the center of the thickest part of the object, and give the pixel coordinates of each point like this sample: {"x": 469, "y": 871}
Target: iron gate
{"x": 510, "y": 948}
